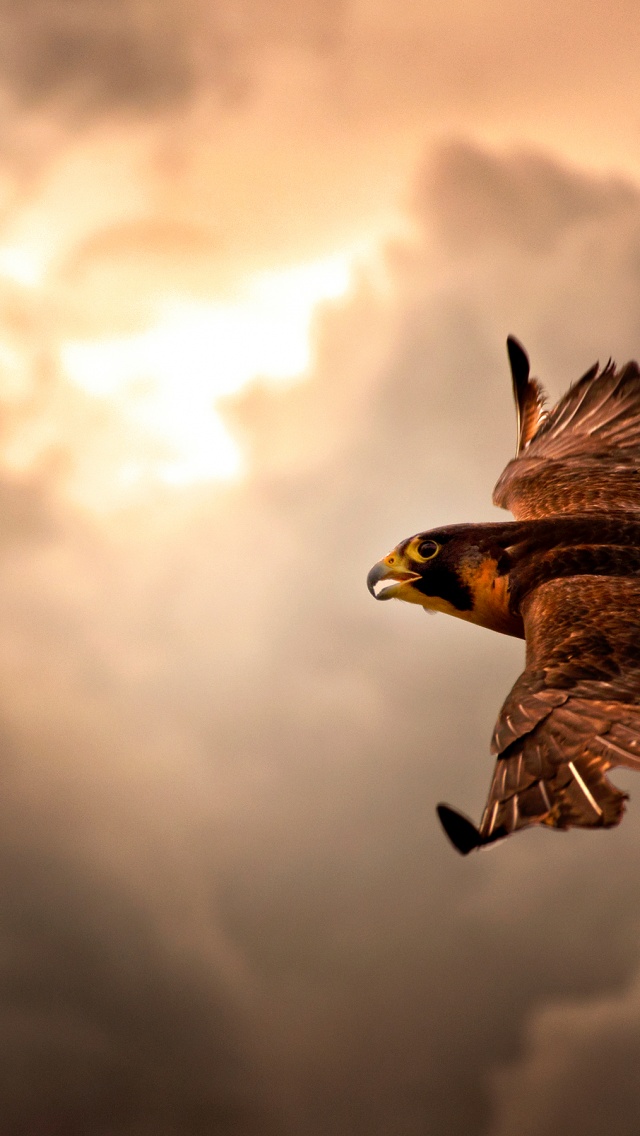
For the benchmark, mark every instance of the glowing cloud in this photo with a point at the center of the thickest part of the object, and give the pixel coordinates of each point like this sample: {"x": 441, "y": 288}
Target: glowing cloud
{"x": 166, "y": 379}
{"x": 21, "y": 265}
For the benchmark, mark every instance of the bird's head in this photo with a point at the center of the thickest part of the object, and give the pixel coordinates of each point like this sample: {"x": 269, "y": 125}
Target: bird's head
{"x": 458, "y": 569}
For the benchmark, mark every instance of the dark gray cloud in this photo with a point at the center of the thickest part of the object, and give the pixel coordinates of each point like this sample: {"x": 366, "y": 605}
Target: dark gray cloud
{"x": 578, "y": 1070}
{"x": 97, "y": 55}
{"x": 117, "y": 52}
{"x": 123, "y": 1008}
{"x": 524, "y": 201}
{"x": 104, "y": 1029}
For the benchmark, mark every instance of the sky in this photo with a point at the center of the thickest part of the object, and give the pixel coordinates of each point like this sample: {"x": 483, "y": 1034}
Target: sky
{"x": 258, "y": 263}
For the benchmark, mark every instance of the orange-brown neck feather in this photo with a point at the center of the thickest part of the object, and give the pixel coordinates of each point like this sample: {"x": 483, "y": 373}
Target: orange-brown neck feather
{"x": 490, "y": 596}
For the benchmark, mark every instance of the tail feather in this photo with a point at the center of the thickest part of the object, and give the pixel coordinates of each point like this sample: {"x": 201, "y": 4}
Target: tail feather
{"x": 579, "y": 795}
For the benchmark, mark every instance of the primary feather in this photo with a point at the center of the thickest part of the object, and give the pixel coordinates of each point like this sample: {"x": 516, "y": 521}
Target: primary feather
{"x": 582, "y": 456}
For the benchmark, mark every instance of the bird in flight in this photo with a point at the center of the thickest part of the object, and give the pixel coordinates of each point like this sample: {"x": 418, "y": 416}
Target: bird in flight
{"x": 564, "y": 576}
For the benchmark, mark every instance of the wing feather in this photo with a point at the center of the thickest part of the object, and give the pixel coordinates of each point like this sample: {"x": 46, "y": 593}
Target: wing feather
{"x": 583, "y": 455}
{"x": 560, "y": 733}
{"x": 527, "y": 392}
{"x": 556, "y": 766}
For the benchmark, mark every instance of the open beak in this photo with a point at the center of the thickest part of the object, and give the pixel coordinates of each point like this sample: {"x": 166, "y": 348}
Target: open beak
{"x": 388, "y": 569}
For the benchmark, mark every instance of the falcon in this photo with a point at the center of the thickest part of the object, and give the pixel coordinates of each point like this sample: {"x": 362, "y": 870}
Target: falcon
{"x": 564, "y": 576}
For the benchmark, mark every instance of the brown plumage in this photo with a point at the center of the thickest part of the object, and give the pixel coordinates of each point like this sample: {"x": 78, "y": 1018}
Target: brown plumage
{"x": 566, "y": 577}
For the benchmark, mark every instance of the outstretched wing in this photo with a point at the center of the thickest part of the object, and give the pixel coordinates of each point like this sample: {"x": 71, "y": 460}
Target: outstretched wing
{"x": 573, "y": 714}
{"x": 584, "y": 455}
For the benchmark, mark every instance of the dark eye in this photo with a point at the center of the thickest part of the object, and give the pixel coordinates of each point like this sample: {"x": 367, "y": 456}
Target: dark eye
{"x": 427, "y": 549}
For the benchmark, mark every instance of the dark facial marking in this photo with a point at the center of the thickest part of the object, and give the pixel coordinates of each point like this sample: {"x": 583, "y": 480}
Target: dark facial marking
{"x": 441, "y": 579}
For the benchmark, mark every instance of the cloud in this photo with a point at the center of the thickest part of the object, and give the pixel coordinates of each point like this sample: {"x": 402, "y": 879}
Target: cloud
{"x": 118, "y": 55}
{"x": 578, "y": 1072}
{"x": 227, "y": 899}
{"x": 437, "y": 967}
{"x": 522, "y": 201}
{"x": 105, "y": 1027}
{"x": 115, "y": 52}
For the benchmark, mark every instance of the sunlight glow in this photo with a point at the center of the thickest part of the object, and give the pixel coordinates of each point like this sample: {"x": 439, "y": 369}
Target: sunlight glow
{"x": 166, "y": 379}
{"x": 20, "y": 265}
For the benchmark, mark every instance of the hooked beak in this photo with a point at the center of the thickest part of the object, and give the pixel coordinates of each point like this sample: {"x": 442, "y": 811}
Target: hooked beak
{"x": 388, "y": 569}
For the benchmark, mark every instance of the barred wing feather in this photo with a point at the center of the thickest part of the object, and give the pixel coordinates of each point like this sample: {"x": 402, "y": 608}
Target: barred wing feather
{"x": 584, "y": 454}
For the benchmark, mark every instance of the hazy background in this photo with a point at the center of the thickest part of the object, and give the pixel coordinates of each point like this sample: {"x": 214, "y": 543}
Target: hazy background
{"x": 258, "y": 261}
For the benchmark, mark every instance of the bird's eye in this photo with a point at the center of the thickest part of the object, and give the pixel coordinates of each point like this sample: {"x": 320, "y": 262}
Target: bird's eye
{"x": 427, "y": 549}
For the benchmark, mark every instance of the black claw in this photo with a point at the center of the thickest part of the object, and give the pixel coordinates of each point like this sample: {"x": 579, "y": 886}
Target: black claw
{"x": 462, "y": 833}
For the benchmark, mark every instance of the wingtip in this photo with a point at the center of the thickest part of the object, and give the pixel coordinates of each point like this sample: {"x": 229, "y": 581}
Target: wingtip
{"x": 518, "y": 361}
{"x": 462, "y": 833}
{"x": 527, "y": 393}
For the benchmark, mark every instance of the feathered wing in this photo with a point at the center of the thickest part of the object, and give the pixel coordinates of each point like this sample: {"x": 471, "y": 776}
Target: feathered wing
{"x": 527, "y": 393}
{"x": 573, "y": 715}
{"x": 582, "y": 456}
